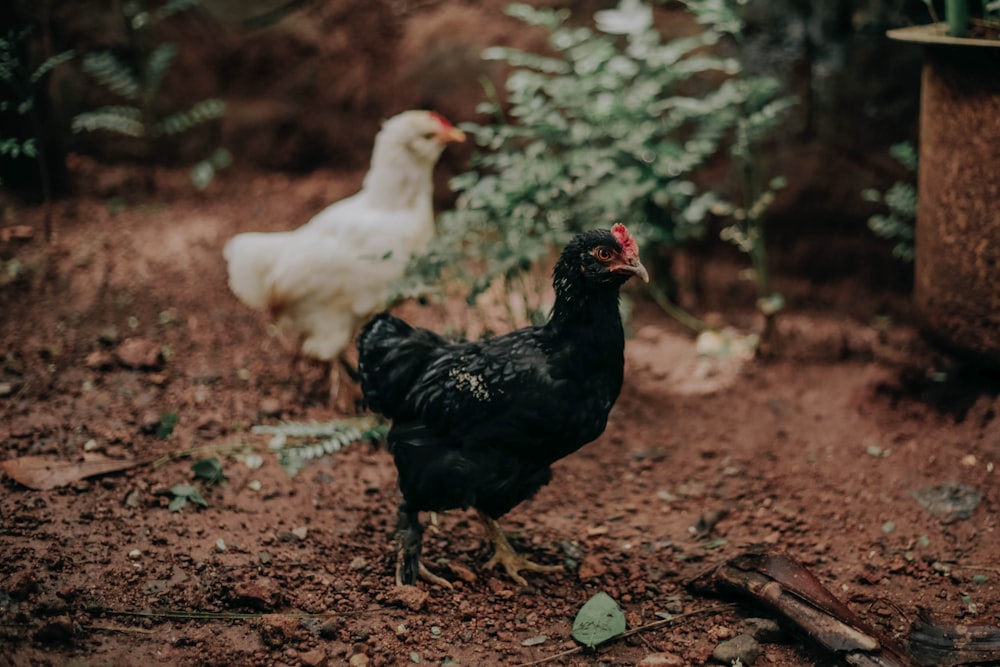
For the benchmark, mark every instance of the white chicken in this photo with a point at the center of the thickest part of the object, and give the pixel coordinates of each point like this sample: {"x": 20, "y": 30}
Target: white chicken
{"x": 321, "y": 280}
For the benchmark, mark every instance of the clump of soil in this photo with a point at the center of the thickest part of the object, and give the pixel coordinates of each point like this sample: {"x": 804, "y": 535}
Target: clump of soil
{"x": 125, "y": 325}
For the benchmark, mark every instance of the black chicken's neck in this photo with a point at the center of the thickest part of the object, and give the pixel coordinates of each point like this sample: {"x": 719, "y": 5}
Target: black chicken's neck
{"x": 591, "y": 316}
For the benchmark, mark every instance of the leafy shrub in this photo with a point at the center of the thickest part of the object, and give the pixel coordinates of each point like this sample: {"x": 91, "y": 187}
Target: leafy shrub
{"x": 140, "y": 86}
{"x": 20, "y": 84}
{"x": 898, "y": 224}
{"x": 616, "y": 126}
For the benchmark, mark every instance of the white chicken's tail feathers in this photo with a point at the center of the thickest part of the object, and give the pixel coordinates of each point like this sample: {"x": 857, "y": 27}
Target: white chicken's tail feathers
{"x": 250, "y": 258}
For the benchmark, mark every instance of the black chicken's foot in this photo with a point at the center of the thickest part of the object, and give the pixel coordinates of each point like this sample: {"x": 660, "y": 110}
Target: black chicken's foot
{"x": 422, "y": 573}
{"x": 504, "y": 554}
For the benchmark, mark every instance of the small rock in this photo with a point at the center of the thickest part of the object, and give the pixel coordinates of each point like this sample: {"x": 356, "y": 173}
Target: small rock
{"x": 950, "y": 501}
{"x": 329, "y": 630}
{"x": 99, "y": 360}
{"x": 358, "y": 660}
{"x": 135, "y": 554}
{"x": 277, "y": 629}
{"x": 17, "y": 233}
{"x": 314, "y": 658}
{"x": 211, "y": 425}
{"x": 674, "y": 605}
{"x": 764, "y": 629}
{"x": 133, "y": 498}
{"x": 140, "y": 353}
{"x": 410, "y": 597}
{"x": 21, "y": 585}
{"x": 6, "y": 388}
{"x": 660, "y": 660}
{"x": 742, "y": 647}
{"x": 260, "y": 594}
{"x": 359, "y": 563}
{"x": 300, "y": 532}
{"x": 149, "y": 422}
{"x": 270, "y": 407}
{"x": 591, "y": 567}
{"x": 109, "y": 336}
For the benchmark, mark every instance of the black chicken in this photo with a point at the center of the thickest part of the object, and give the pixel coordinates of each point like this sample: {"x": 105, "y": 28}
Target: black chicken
{"x": 477, "y": 424}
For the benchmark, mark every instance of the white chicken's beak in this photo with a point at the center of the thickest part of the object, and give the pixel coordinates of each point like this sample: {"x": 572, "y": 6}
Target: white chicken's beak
{"x": 451, "y": 135}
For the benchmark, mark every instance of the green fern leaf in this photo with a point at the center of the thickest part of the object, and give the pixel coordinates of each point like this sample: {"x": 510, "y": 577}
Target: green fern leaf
{"x": 121, "y": 120}
{"x": 112, "y": 73}
{"x": 157, "y": 66}
{"x": 50, "y": 64}
{"x": 201, "y": 112}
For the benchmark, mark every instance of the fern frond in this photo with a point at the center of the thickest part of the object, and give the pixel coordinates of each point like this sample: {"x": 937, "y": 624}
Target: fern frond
{"x": 157, "y": 66}
{"x": 297, "y": 443}
{"x": 121, "y": 120}
{"x": 172, "y": 7}
{"x": 112, "y": 73}
{"x": 51, "y": 63}
{"x": 201, "y": 112}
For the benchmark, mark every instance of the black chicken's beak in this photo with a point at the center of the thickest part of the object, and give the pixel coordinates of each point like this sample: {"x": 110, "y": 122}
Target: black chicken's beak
{"x": 635, "y": 267}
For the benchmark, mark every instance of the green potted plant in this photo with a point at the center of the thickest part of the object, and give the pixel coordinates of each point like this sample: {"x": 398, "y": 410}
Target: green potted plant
{"x": 958, "y": 226}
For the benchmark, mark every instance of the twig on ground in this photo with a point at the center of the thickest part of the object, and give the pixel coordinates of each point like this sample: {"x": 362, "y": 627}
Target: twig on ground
{"x": 217, "y": 448}
{"x": 204, "y": 615}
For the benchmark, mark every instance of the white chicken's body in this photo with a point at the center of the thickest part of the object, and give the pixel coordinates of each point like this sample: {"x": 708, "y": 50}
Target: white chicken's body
{"x": 322, "y": 279}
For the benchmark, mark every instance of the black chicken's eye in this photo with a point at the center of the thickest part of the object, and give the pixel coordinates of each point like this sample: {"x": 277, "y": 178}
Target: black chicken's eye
{"x": 430, "y": 135}
{"x": 603, "y": 254}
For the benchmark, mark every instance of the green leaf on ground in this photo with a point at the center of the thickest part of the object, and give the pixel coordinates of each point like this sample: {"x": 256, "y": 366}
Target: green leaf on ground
{"x": 599, "y": 620}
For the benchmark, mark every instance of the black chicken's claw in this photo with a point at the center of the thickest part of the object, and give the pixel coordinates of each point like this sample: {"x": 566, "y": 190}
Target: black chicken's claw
{"x": 504, "y": 554}
{"x": 432, "y": 578}
{"x": 513, "y": 563}
{"x": 407, "y": 574}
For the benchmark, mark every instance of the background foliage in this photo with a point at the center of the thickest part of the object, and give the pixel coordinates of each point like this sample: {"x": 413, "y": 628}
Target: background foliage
{"x": 618, "y": 125}
{"x": 897, "y": 224}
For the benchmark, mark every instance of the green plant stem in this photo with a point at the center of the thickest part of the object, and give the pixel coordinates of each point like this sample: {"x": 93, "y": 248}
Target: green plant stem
{"x": 956, "y": 12}
{"x": 673, "y": 310}
{"x": 43, "y": 173}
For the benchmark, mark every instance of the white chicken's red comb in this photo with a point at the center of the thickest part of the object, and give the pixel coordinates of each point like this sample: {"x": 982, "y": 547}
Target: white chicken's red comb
{"x": 445, "y": 123}
{"x": 629, "y": 247}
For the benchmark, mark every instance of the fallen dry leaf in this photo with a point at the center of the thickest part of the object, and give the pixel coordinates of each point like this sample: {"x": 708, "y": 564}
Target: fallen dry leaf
{"x": 42, "y": 474}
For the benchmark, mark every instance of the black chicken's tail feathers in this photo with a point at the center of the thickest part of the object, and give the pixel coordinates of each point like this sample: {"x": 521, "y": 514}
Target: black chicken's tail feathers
{"x": 391, "y": 356}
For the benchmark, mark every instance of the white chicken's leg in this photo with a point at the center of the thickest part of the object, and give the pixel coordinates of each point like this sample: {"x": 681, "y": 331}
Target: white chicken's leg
{"x": 504, "y": 554}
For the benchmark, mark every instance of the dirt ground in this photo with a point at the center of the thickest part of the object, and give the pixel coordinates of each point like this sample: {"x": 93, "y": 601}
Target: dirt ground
{"x": 126, "y": 318}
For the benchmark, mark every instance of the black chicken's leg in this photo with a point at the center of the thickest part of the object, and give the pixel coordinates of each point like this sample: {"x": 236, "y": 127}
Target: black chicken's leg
{"x": 410, "y": 537}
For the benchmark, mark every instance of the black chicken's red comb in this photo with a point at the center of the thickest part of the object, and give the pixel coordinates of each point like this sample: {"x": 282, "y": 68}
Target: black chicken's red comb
{"x": 629, "y": 247}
